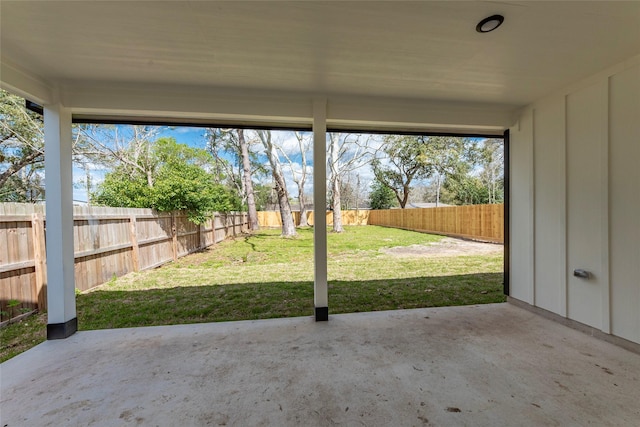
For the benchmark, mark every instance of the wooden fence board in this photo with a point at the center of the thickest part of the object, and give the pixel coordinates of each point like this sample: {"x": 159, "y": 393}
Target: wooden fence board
{"x": 107, "y": 242}
{"x": 479, "y": 222}
{"x": 271, "y": 219}
{"x": 135, "y": 249}
{"x": 39, "y": 258}
{"x": 16, "y": 266}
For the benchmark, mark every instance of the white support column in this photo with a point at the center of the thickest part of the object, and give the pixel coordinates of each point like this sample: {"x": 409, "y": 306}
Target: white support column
{"x": 61, "y": 297}
{"x": 321, "y": 295}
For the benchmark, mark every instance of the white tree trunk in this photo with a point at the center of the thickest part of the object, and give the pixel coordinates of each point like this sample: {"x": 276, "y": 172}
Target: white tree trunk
{"x": 288, "y": 225}
{"x": 303, "y": 206}
{"x": 248, "y": 183}
{"x": 337, "y": 206}
{"x": 335, "y": 184}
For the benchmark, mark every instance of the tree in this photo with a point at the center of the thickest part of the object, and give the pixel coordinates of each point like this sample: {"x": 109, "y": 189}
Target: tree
{"x": 178, "y": 183}
{"x": 347, "y": 152}
{"x": 446, "y": 156}
{"x": 478, "y": 177}
{"x": 233, "y": 143}
{"x": 405, "y": 159}
{"x": 492, "y": 174}
{"x": 299, "y": 176}
{"x": 266, "y": 198}
{"x": 129, "y": 148}
{"x": 381, "y": 196}
{"x": 467, "y": 190}
{"x": 347, "y": 193}
{"x": 248, "y": 183}
{"x": 409, "y": 158}
{"x": 21, "y": 150}
{"x": 351, "y": 191}
{"x": 288, "y": 226}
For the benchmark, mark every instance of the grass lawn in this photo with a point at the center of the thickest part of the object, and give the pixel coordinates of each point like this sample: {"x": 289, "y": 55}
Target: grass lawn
{"x": 265, "y": 276}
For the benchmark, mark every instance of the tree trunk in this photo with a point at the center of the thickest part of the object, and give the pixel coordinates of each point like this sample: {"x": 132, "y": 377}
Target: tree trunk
{"x": 303, "y": 206}
{"x": 405, "y": 196}
{"x": 337, "y": 206}
{"x": 357, "y": 194}
{"x": 303, "y": 179}
{"x": 288, "y": 225}
{"x": 335, "y": 185}
{"x": 248, "y": 183}
{"x": 87, "y": 183}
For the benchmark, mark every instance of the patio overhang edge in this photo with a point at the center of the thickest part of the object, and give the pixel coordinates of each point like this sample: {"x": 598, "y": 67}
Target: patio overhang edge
{"x": 202, "y": 106}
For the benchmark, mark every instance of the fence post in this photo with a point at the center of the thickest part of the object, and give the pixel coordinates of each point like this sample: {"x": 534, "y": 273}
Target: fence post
{"x": 40, "y": 256}
{"x": 233, "y": 223}
{"x": 135, "y": 254}
{"x": 174, "y": 235}
{"x": 214, "y": 239}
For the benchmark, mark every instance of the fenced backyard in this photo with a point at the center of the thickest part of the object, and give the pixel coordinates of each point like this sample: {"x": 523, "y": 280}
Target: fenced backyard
{"x": 112, "y": 242}
{"x": 108, "y": 242}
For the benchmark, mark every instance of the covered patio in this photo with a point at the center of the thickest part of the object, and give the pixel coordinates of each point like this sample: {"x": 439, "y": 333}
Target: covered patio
{"x": 483, "y": 365}
{"x": 560, "y": 81}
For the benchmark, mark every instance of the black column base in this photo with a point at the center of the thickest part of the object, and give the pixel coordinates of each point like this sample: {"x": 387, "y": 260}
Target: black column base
{"x": 58, "y": 331}
{"x": 322, "y": 314}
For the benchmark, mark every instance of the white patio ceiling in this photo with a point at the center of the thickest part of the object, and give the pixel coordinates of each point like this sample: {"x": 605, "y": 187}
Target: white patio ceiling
{"x": 412, "y": 64}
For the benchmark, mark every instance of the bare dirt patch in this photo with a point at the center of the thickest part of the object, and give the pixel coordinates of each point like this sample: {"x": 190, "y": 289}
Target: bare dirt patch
{"x": 445, "y": 248}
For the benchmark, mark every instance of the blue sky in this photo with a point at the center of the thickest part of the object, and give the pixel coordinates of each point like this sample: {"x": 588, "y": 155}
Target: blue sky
{"x": 193, "y": 136}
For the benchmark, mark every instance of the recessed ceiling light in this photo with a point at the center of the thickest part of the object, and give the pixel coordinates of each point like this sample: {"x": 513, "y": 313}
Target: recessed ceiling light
{"x": 489, "y": 24}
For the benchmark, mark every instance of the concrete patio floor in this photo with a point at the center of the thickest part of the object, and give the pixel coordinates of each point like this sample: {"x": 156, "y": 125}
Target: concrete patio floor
{"x": 490, "y": 365}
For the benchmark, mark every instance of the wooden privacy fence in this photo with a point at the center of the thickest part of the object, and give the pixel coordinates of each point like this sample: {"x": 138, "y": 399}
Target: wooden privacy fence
{"x": 108, "y": 242}
{"x": 349, "y": 217}
{"x": 478, "y": 222}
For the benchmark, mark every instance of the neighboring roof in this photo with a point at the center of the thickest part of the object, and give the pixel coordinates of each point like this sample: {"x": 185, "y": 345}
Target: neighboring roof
{"x": 407, "y": 64}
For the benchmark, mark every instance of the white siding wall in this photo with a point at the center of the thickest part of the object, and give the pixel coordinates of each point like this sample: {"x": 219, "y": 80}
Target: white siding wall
{"x": 550, "y": 201}
{"x": 585, "y": 236}
{"x": 575, "y": 202}
{"x": 624, "y": 196}
{"x": 522, "y": 209}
